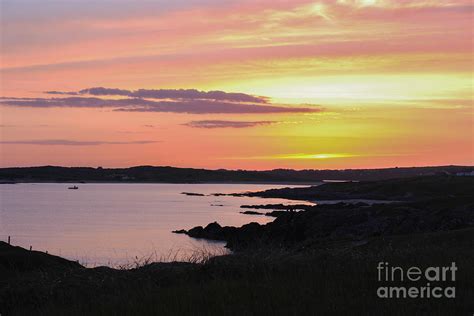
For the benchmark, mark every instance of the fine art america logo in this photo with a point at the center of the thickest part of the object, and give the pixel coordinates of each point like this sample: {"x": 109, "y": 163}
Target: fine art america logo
{"x": 433, "y": 281}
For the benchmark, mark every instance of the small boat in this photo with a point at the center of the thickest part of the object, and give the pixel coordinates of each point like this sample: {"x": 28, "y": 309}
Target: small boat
{"x": 73, "y": 188}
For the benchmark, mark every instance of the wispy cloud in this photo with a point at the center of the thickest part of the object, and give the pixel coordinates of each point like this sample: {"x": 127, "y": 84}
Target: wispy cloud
{"x": 22, "y": 126}
{"x": 61, "y": 92}
{"x": 66, "y": 142}
{"x": 162, "y": 94}
{"x": 227, "y": 124}
{"x": 175, "y": 101}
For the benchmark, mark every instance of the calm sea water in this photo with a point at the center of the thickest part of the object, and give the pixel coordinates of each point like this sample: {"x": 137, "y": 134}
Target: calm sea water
{"x": 113, "y": 224}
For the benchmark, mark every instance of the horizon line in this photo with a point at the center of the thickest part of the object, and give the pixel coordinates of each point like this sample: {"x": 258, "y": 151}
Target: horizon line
{"x": 248, "y": 170}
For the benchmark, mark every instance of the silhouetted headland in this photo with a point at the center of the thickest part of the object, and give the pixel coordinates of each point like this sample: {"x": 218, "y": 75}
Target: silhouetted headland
{"x": 150, "y": 174}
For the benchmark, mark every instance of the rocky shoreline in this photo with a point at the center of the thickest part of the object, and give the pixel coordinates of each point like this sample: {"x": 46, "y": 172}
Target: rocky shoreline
{"x": 430, "y": 204}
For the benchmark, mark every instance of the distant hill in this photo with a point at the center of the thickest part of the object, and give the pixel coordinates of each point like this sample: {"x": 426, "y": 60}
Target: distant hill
{"x": 401, "y": 189}
{"x": 150, "y": 174}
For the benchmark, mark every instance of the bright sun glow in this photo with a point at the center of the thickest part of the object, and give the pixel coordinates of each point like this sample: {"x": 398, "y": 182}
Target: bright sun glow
{"x": 323, "y": 156}
{"x": 315, "y": 156}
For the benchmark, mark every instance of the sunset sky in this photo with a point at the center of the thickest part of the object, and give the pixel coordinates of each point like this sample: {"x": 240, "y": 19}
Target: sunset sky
{"x": 236, "y": 84}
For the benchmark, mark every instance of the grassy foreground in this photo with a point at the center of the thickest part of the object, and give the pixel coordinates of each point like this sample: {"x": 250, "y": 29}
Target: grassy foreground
{"x": 338, "y": 280}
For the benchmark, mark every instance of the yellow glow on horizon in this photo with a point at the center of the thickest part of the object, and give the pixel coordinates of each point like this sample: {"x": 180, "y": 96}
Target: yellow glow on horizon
{"x": 316, "y": 156}
{"x": 321, "y": 156}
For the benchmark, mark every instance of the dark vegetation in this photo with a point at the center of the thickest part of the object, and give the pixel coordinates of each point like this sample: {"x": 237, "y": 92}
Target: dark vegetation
{"x": 318, "y": 261}
{"x": 410, "y": 189}
{"x": 338, "y": 279}
{"x": 188, "y": 175}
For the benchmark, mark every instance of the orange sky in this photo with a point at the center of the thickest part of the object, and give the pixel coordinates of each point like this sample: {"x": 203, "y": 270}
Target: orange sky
{"x": 319, "y": 84}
